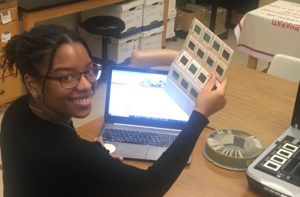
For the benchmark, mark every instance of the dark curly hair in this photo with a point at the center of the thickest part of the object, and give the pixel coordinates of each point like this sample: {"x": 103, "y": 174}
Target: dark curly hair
{"x": 30, "y": 51}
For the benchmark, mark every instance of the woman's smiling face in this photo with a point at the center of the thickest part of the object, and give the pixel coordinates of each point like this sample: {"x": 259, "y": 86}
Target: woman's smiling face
{"x": 64, "y": 103}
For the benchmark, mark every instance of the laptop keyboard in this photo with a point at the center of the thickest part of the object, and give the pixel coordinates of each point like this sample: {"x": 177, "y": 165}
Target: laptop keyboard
{"x": 137, "y": 137}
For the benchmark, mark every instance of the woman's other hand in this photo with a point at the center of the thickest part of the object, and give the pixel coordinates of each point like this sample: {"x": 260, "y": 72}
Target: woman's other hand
{"x": 211, "y": 100}
{"x": 100, "y": 140}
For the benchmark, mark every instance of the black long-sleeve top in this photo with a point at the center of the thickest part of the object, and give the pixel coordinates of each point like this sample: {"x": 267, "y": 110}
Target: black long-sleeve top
{"x": 41, "y": 158}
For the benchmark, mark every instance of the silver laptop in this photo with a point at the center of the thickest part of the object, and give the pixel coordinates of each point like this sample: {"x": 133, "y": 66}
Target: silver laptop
{"x": 141, "y": 120}
{"x": 276, "y": 172}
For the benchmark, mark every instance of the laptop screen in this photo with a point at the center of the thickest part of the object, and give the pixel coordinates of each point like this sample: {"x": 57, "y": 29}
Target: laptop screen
{"x": 296, "y": 114}
{"x": 137, "y": 96}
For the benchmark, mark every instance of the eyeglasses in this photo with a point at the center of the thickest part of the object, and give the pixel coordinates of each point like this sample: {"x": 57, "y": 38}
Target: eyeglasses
{"x": 71, "y": 80}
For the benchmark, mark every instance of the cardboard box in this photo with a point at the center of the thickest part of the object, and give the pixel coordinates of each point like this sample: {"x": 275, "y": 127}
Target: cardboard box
{"x": 93, "y": 41}
{"x": 119, "y": 50}
{"x": 170, "y": 32}
{"x": 131, "y": 12}
{"x": 184, "y": 19}
{"x": 171, "y": 8}
{"x": 186, "y": 14}
{"x": 151, "y": 39}
{"x": 153, "y": 11}
{"x": 236, "y": 17}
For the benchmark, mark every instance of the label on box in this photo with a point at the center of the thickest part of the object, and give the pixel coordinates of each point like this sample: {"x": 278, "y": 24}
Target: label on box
{"x": 5, "y": 16}
{"x": 5, "y": 36}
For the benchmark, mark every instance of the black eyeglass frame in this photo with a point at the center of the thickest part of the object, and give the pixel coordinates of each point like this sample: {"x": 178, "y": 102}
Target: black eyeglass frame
{"x": 96, "y": 66}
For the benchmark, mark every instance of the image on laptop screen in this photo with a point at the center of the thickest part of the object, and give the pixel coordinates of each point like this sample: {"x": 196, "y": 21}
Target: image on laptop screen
{"x": 139, "y": 96}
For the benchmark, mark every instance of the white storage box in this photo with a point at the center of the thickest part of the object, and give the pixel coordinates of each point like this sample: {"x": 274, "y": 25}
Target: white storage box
{"x": 93, "y": 41}
{"x": 131, "y": 12}
{"x": 170, "y": 33}
{"x": 172, "y": 13}
{"x": 171, "y": 8}
{"x": 153, "y": 11}
{"x": 151, "y": 39}
{"x": 118, "y": 49}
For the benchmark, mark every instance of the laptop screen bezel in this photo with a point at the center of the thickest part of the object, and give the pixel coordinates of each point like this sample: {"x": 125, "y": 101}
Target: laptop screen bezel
{"x": 171, "y": 124}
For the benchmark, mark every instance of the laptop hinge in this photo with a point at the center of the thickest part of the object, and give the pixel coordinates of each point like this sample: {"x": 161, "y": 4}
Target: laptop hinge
{"x": 147, "y": 127}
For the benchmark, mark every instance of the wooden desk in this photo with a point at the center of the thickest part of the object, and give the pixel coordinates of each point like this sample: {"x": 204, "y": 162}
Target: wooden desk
{"x": 257, "y": 103}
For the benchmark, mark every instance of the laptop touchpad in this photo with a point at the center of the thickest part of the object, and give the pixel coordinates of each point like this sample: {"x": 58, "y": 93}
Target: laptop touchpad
{"x": 132, "y": 150}
{"x": 155, "y": 152}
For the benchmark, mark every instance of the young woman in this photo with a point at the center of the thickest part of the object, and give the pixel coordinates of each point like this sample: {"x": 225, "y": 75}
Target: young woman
{"x": 41, "y": 152}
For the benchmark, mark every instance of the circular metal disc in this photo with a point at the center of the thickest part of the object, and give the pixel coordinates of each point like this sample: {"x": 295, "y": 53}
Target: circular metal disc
{"x": 232, "y": 149}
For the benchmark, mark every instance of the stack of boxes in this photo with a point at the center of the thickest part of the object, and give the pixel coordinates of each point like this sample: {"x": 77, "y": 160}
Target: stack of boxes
{"x": 143, "y": 28}
{"x": 204, "y": 17}
{"x": 152, "y": 30}
{"x": 120, "y": 48}
{"x": 170, "y": 33}
{"x": 186, "y": 14}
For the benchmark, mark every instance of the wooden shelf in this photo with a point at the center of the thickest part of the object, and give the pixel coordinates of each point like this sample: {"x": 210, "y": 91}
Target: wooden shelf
{"x": 10, "y": 86}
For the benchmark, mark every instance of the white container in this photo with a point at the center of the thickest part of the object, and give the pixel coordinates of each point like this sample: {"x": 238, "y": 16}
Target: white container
{"x": 131, "y": 12}
{"x": 153, "y": 11}
{"x": 151, "y": 39}
{"x": 171, "y": 8}
{"x": 120, "y": 50}
{"x": 170, "y": 33}
{"x": 93, "y": 41}
{"x": 172, "y": 13}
